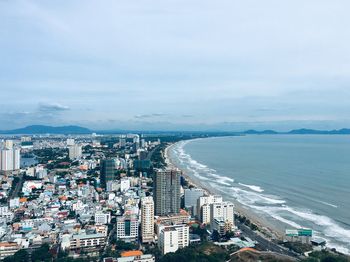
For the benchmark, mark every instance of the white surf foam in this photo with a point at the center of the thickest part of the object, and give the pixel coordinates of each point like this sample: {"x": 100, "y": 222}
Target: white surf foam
{"x": 327, "y": 204}
{"x": 252, "y": 187}
{"x": 250, "y": 198}
{"x": 330, "y": 230}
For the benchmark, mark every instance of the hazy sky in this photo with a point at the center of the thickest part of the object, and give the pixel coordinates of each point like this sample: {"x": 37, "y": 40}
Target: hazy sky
{"x": 160, "y": 64}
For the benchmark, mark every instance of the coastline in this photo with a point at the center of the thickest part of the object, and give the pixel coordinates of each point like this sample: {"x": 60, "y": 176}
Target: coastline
{"x": 266, "y": 228}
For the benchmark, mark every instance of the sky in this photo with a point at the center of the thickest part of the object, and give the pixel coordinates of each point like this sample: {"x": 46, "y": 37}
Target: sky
{"x": 175, "y": 65}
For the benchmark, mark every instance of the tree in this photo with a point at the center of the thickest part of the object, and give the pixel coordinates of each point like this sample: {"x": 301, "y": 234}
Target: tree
{"x": 42, "y": 254}
{"x": 215, "y": 236}
{"x": 20, "y": 256}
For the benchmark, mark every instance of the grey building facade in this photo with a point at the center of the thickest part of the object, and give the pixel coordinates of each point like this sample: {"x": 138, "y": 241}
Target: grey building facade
{"x": 167, "y": 197}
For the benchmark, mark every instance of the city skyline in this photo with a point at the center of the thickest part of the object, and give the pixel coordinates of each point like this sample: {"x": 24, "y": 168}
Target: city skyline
{"x": 177, "y": 65}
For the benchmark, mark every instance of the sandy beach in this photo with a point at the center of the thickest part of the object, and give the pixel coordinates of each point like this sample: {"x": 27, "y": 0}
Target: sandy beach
{"x": 267, "y": 228}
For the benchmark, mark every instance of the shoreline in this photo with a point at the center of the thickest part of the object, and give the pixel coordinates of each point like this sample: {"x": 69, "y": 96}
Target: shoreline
{"x": 267, "y": 229}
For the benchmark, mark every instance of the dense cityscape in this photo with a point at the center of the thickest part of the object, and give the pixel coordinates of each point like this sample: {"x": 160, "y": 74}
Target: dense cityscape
{"x": 117, "y": 198}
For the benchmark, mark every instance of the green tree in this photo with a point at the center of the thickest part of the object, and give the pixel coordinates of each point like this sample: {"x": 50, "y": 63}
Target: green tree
{"x": 20, "y": 256}
{"x": 42, "y": 254}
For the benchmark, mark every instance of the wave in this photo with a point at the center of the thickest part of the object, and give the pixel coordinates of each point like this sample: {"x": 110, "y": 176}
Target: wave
{"x": 330, "y": 229}
{"x": 252, "y": 187}
{"x": 327, "y": 204}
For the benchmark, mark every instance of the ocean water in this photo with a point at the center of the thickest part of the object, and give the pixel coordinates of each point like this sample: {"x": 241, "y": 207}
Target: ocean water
{"x": 295, "y": 180}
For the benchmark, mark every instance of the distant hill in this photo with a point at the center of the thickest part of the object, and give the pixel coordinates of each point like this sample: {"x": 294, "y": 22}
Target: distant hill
{"x": 305, "y": 131}
{"x": 264, "y": 132}
{"x": 41, "y": 129}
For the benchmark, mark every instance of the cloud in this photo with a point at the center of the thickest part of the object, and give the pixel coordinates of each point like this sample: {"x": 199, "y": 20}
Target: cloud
{"x": 52, "y": 108}
{"x": 155, "y": 115}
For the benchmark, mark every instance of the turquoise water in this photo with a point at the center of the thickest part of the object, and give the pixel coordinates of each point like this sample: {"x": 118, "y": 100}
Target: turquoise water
{"x": 297, "y": 180}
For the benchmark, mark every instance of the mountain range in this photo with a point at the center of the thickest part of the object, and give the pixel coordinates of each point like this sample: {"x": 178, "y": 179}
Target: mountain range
{"x": 42, "y": 129}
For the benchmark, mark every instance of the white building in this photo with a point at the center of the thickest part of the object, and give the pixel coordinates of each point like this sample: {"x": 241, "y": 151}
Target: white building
{"x": 8, "y": 144}
{"x": 172, "y": 238}
{"x": 70, "y": 142}
{"x": 29, "y": 185}
{"x": 124, "y": 184}
{"x": 147, "y": 219}
{"x": 4, "y": 210}
{"x": 206, "y": 200}
{"x": 75, "y": 152}
{"x": 102, "y": 218}
{"x": 9, "y": 159}
{"x": 205, "y": 214}
{"x": 83, "y": 241}
{"x": 222, "y": 211}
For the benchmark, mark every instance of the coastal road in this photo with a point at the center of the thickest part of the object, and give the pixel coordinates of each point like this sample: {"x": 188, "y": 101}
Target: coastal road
{"x": 264, "y": 243}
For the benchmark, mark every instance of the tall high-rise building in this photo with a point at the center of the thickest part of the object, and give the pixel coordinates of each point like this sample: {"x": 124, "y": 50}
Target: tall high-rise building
{"x": 147, "y": 219}
{"x": 9, "y": 159}
{"x": 107, "y": 171}
{"x": 167, "y": 192}
{"x": 75, "y": 152}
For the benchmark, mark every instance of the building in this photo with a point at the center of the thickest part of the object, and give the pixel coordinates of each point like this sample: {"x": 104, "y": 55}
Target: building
{"x": 147, "y": 219}
{"x": 221, "y": 226}
{"x": 102, "y": 218}
{"x": 70, "y": 142}
{"x": 107, "y": 171}
{"x": 135, "y": 258}
{"x": 85, "y": 241}
{"x": 203, "y": 207}
{"x": 75, "y": 152}
{"x": 191, "y": 199}
{"x": 127, "y": 228}
{"x": 167, "y": 192}
{"x": 8, "y": 144}
{"x": 172, "y": 238}
{"x": 8, "y": 249}
{"x": 124, "y": 184}
{"x": 172, "y": 219}
{"x": 205, "y": 214}
{"x": 9, "y": 159}
{"x": 222, "y": 212}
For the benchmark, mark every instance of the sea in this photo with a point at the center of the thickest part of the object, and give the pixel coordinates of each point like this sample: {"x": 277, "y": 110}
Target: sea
{"x": 296, "y": 181}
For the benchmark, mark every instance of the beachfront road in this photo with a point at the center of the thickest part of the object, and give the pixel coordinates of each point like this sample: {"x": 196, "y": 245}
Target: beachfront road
{"x": 264, "y": 244}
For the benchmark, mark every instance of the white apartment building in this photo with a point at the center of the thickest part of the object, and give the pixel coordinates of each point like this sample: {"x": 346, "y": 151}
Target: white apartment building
{"x": 172, "y": 238}
{"x": 205, "y": 214}
{"x": 102, "y": 218}
{"x": 147, "y": 219}
{"x": 222, "y": 211}
{"x": 207, "y": 201}
{"x": 9, "y": 159}
{"x": 75, "y": 152}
